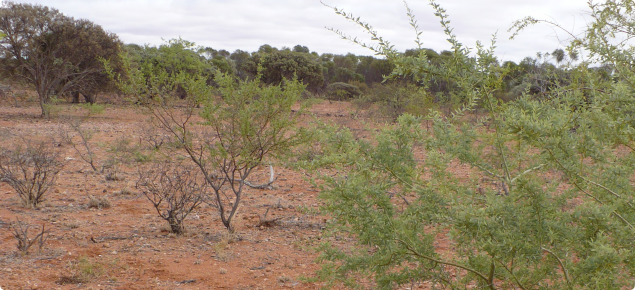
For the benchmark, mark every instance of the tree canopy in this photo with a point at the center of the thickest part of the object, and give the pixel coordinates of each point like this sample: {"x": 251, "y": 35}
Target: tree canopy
{"x": 52, "y": 52}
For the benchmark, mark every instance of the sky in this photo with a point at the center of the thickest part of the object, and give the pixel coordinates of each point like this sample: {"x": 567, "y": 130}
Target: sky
{"x": 248, "y": 24}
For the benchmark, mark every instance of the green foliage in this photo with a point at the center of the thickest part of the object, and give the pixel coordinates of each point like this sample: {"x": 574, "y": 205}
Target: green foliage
{"x": 396, "y": 98}
{"x": 278, "y": 65}
{"x": 164, "y": 68}
{"x": 544, "y": 199}
{"x": 86, "y": 270}
{"x": 248, "y": 124}
{"x": 174, "y": 56}
{"x": 92, "y": 109}
{"x": 342, "y": 91}
{"x": 54, "y": 53}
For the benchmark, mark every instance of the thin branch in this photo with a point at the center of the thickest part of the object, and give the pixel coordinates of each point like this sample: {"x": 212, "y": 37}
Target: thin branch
{"x": 526, "y": 171}
{"x": 566, "y": 274}
{"x": 415, "y": 253}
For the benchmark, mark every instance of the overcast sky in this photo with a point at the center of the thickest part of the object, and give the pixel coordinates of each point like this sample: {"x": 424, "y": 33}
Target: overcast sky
{"x": 247, "y": 24}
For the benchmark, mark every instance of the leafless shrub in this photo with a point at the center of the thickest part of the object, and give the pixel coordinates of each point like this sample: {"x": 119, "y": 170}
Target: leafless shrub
{"x": 78, "y": 138}
{"x": 153, "y": 137}
{"x": 21, "y": 233}
{"x": 31, "y": 171}
{"x": 6, "y": 91}
{"x": 175, "y": 190}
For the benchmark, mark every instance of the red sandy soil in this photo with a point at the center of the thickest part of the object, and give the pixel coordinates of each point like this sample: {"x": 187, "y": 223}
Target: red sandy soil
{"x": 127, "y": 246}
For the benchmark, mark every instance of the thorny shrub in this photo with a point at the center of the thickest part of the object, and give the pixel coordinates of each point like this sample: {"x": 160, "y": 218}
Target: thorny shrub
{"x": 244, "y": 124}
{"x": 174, "y": 190}
{"x": 20, "y": 231}
{"x": 547, "y": 200}
{"x": 31, "y": 170}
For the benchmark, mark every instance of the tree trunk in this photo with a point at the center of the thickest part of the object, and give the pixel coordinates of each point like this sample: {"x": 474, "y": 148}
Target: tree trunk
{"x": 175, "y": 226}
{"x": 46, "y": 108}
{"x": 75, "y": 97}
{"x": 90, "y": 98}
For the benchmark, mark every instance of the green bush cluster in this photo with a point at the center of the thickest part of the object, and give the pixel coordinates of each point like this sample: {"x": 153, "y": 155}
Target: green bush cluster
{"x": 546, "y": 197}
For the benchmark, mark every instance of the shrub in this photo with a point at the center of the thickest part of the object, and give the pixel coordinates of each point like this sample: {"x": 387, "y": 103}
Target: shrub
{"x": 79, "y": 138}
{"x": 31, "y": 171}
{"x": 395, "y": 98}
{"x": 98, "y": 203}
{"x": 174, "y": 190}
{"x": 562, "y": 216}
{"x": 21, "y": 234}
{"x": 342, "y": 91}
{"x": 249, "y": 123}
{"x": 82, "y": 271}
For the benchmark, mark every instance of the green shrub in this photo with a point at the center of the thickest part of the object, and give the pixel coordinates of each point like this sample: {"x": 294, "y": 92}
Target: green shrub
{"x": 395, "y": 98}
{"x": 342, "y": 91}
{"x": 248, "y": 124}
{"x": 546, "y": 199}
{"x": 90, "y": 109}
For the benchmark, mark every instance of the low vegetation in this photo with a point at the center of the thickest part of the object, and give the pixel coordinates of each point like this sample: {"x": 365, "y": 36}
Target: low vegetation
{"x": 20, "y": 231}
{"x": 545, "y": 202}
{"x": 544, "y": 198}
{"x": 30, "y": 169}
{"x": 174, "y": 190}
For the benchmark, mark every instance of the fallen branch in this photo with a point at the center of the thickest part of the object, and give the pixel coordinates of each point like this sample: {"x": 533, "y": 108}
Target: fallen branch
{"x": 261, "y": 186}
{"x": 264, "y": 222}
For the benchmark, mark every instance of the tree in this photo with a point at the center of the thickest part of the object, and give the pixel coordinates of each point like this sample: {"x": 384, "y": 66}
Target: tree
{"x": 266, "y": 48}
{"x": 547, "y": 199}
{"x": 300, "y": 48}
{"x": 248, "y": 124}
{"x": 176, "y": 56}
{"x": 373, "y": 69}
{"x": 53, "y": 52}
{"x": 558, "y": 55}
{"x": 87, "y": 46}
{"x": 172, "y": 58}
{"x": 240, "y": 59}
{"x": 279, "y": 65}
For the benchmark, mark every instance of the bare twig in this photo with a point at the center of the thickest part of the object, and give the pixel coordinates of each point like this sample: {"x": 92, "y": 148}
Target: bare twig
{"x": 21, "y": 233}
{"x": 261, "y": 186}
{"x": 83, "y": 148}
{"x": 264, "y": 222}
{"x": 31, "y": 171}
{"x": 175, "y": 190}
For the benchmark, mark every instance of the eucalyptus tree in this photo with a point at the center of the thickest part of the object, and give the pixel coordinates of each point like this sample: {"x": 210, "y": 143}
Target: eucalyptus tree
{"x": 278, "y": 65}
{"x": 52, "y": 52}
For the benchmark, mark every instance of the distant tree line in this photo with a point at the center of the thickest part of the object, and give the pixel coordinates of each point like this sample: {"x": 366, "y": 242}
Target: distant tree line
{"x": 58, "y": 55}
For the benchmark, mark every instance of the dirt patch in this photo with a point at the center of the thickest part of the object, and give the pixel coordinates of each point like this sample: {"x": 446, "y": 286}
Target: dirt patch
{"x": 126, "y": 245}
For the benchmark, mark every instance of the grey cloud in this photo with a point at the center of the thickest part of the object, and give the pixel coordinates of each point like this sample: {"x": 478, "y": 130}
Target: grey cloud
{"x": 247, "y": 24}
